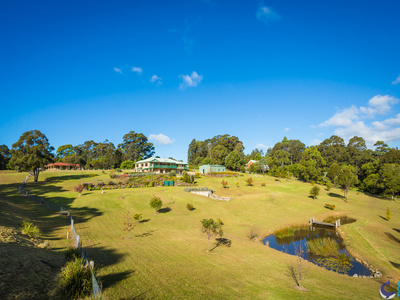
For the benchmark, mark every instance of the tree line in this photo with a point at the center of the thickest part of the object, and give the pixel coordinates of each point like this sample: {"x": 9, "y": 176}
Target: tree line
{"x": 33, "y": 151}
{"x": 353, "y": 164}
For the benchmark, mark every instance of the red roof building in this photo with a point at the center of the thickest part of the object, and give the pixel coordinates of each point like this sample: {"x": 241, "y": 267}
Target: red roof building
{"x": 60, "y": 166}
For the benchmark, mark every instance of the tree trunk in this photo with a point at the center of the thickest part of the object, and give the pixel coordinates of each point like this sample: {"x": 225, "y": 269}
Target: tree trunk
{"x": 36, "y": 175}
{"x": 209, "y": 247}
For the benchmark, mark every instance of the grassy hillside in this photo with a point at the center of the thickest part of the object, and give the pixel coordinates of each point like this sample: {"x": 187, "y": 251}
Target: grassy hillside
{"x": 167, "y": 257}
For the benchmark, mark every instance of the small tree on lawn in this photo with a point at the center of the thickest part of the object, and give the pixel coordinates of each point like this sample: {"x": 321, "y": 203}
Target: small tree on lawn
{"x": 156, "y": 203}
{"x": 347, "y": 178}
{"x": 249, "y": 181}
{"x": 314, "y": 191}
{"x": 328, "y": 185}
{"x": 212, "y": 228}
{"x": 79, "y": 188}
{"x": 388, "y": 213}
{"x": 224, "y": 183}
{"x": 131, "y": 221}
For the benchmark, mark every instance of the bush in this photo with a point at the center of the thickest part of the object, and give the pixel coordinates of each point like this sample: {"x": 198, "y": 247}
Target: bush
{"x": 156, "y": 203}
{"x": 263, "y": 184}
{"x": 237, "y": 184}
{"x": 100, "y": 183}
{"x": 249, "y": 181}
{"x": 330, "y": 206}
{"x": 117, "y": 170}
{"x": 314, "y": 191}
{"x": 172, "y": 173}
{"x": 224, "y": 183}
{"x": 190, "y": 206}
{"x": 328, "y": 185}
{"x": 128, "y": 164}
{"x": 112, "y": 174}
{"x": 79, "y": 188}
{"x": 75, "y": 279}
{"x": 198, "y": 175}
{"x": 29, "y": 229}
{"x": 388, "y": 213}
{"x": 111, "y": 182}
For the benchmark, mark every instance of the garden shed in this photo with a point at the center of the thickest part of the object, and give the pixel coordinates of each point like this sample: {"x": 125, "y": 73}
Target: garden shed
{"x": 204, "y": 169}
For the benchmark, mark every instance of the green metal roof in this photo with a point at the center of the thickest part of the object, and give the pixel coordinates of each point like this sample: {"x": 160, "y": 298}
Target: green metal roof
{"x": 160, "y": 160}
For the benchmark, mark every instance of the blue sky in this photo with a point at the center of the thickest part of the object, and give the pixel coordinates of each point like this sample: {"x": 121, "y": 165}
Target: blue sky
{"x": 178, "y": 70}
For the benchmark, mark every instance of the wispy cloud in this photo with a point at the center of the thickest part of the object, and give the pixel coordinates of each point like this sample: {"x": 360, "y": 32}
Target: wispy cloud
{"x": 361, "y": 121}
{"x": 287, "y": 129}
{"x": 267, "y": 14}
{"x": 156, "y": 80}
{"x": 160, "y": 139}
{"x": 137, "y": 70}
{"x": 191, "y": 80}
{"x": 262, "y": 147}
{"x": 397, "y": 81}
{"x": 118, "y": 70}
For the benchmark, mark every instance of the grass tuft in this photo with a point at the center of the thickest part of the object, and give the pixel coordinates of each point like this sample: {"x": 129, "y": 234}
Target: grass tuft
{"x": 29, "y": 229}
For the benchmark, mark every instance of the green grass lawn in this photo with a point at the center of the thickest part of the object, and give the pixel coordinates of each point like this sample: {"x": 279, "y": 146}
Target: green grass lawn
{"x": 167, "y": 257}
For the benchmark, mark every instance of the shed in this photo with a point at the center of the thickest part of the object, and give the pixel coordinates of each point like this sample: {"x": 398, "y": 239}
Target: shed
{"x": 204, "y": 169}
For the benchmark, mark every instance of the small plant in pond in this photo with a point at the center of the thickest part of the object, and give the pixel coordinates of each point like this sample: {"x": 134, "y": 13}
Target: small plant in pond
{"x": 29, "y": 229}
{"x": 79, "y": 188}
{"x": 75, "y": 279}
{"x": 190, "y": 206}
{"x": 323, "y": 247}
{"x": 131, "y": 221}
{"x": 330, "y": 206}
{"x": 314, "y": 192}
{"x": 289, "y": 230}
{"x": 156, "y": 203}
{"x": 212, "y": 228}
{"x": 388, "y": 213}
{"x": 249, "y": 181}
{"x": 224, "y": 183}
{"x": 263, "y": 184}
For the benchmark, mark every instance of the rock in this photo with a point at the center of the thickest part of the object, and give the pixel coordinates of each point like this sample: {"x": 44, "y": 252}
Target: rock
{"x": 364, "y": 276}
{"x": 355, "y": 275}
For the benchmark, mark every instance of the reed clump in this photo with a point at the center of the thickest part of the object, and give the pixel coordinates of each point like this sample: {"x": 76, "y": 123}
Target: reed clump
{"x": 323, "y": 247}
{"x": 289, "y": 230}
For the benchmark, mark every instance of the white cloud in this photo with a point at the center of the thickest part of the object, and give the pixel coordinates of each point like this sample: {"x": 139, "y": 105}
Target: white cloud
{"x": 160, "y": 139}
{"x": 118, "y": 70}
{"x": 397, "y": 81}
{"x": 316, "y": 142}
{"x": 267, "y": 14}
{"x": 343, "y": 118}
{"x": 352, "y": 121}
{"x": 137, "y": 70}
{"x": 262, "y": 147}
{"x": 191, "y": 80}
{"x": 156, "y": 80}
{"x": 287, "y": 129}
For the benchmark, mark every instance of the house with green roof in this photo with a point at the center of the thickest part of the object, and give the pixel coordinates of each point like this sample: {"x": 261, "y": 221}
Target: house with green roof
{"x": 160, "y": 165}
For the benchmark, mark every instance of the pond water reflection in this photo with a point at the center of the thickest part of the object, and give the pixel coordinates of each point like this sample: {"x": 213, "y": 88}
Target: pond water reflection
{"x": 298, "y": 243}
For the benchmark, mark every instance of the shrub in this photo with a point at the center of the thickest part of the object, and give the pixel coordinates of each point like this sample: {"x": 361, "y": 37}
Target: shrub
{"x": 328, "y": 185}
{"x": 254, "y": 233}
{"x": 190, "y": 206}
{"x": 237, "y": 184}
{"x": 72, "y": 253}
{"x": 156, "y": 203}
{"x": 198, "y": 175}
{"x": 224, "y": 183}
{"x": 128, "y": 164}
{"x": 249, "y": 181}
{"x": 263, "y": 184}
{"x": 117, "y": 170}
{"x": 75, "y": 279}
{"x": 29, "y": 229}
{"x": 100, "y": 183}
{"x": 112, "y": 174}
{"x": 151, "y": 183}
{"x": 79, "y": 188}
{"x": 314, "y": 191}
{"x": 172, "y": 173}
{"x": 388, "y": 213}
{"x": 111, "y": 182}
{"x": 330, "y": 206}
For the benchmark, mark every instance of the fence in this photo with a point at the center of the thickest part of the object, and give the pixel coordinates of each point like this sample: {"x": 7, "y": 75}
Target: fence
{"x": 97, "y": 290}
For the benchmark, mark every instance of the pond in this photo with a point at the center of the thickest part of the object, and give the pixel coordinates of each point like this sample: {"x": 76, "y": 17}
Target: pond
{"x": 320, "y": 245}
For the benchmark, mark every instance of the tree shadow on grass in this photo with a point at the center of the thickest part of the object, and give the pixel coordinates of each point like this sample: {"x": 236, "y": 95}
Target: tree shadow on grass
{"x": 164, "y": 210}
{"x": 392, "y": 237}
{"x": 144, "y": 221}
{"x": 335, "y": 195}
{"x": 222, "y": 242}
{"x": 396, "y": 265}
{"x": 68, "y": 177}
{"x": 111, "y": 279}
{"x": 146, "y": 234}
{"x": 382, "y": 217}
{"x": 397, "y": 230}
